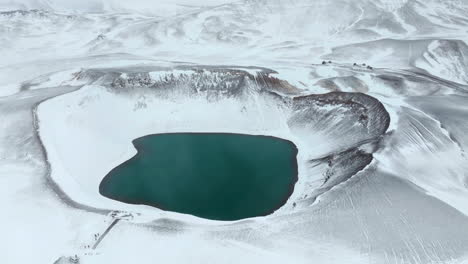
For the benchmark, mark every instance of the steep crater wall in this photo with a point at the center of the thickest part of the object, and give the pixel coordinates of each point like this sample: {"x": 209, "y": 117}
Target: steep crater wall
{"x": 93, "y": 130}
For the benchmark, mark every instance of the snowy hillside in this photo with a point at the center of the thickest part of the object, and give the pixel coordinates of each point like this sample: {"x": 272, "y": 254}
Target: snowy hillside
{"x": 374, "y": 94}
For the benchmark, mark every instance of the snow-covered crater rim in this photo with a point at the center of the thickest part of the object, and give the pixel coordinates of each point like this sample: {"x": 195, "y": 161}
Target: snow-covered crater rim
{"x": 89, "y": 118}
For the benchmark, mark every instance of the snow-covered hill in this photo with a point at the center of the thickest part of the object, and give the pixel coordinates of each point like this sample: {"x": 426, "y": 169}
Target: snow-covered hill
{"x": 373, "y": 94}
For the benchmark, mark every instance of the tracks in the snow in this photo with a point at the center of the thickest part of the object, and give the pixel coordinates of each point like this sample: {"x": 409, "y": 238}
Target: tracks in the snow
{"x": 116, "y": 220}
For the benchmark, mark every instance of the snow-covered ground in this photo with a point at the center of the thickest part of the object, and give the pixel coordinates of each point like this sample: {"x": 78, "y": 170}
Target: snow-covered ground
{"x": 383, "y": 174}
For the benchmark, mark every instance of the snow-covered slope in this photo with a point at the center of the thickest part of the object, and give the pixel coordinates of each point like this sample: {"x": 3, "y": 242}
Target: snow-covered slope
{"x": 373, "y": 94}
{"x": 196, "y": 99}
{"x": 260, "y": 30}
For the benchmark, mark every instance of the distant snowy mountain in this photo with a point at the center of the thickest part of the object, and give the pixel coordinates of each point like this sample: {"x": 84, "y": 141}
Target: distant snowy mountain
{"x": 374, "y": 94}
{"x": 289, "y": 29}
{"x": 161, "y": 7}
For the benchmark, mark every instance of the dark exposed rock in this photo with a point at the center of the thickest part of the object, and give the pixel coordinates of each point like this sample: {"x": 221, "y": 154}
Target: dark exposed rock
{"x": 337, "y": 112}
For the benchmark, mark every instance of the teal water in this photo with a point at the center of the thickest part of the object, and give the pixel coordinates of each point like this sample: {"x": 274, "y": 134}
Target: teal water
{"x": 211, "y": 175}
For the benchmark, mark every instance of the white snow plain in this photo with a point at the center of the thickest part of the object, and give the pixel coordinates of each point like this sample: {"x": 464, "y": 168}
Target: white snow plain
{"x": 74, "y": 93}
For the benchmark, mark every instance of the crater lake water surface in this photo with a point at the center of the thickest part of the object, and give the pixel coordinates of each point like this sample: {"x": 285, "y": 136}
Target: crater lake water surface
{"x": 211, "y": 175}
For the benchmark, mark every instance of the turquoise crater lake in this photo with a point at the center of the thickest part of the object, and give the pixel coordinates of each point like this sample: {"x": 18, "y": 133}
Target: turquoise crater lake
{"x": 216, "y": 176}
